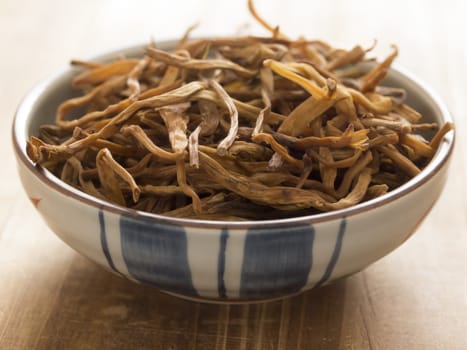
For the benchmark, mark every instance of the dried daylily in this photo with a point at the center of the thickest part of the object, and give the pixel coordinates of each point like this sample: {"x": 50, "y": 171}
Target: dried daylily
{"x": 197, "y": 64}
{"x": 101, "y": 73}
{"x": 237, "y": 128}
{"x": 106, "y": 164}
{"x": 134, "y": 75}
{"x": 233, "y": 112}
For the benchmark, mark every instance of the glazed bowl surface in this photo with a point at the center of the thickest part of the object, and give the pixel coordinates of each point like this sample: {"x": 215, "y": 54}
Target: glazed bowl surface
{"x": 220, "y": 261}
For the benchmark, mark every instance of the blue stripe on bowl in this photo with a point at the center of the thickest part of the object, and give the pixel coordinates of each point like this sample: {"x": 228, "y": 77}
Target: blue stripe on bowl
{"x": 335, "y": 254}
{"x": 104, "y": 244}
{"x": 221, "y": 264}
{"x": 276, "y": 261}
{"x": 156, "y": 254}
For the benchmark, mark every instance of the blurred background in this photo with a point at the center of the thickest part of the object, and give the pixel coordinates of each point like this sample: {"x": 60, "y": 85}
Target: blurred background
{"x": 48, "y": 34}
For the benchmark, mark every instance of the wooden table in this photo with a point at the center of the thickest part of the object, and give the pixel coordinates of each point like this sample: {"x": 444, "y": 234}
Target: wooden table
{"x": 52, "y": 298}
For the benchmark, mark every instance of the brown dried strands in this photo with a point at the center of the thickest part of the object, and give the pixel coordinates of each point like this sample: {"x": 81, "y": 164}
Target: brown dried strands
{"x": 281, "y": 197}
{"x": 102, "y": 73}
{"x": 349, "y": 138}
{"x": 198, "y": 64}
{"x": 245, "y": 128}
{"x": 108, "y": 169}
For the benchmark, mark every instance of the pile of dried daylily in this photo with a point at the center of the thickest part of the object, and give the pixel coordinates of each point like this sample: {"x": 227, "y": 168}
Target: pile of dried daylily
{"x": 236, "y": 128}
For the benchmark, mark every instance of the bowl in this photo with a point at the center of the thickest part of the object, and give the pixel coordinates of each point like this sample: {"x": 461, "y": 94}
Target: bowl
{"x": 220, "y": 261}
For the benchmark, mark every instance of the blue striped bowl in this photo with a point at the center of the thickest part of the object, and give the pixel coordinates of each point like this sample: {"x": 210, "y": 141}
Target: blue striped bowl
{"x": 228, "y": 261}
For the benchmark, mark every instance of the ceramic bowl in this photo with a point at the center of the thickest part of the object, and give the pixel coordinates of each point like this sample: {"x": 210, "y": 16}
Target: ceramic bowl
{"x": 228, "y": 261}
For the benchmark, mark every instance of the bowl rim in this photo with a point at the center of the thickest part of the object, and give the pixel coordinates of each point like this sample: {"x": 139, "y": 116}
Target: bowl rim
{"x": 26, "y": 105}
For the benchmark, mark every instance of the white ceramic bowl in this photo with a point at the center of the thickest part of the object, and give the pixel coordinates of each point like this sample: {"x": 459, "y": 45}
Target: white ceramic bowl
{"x": 228, "y": 261}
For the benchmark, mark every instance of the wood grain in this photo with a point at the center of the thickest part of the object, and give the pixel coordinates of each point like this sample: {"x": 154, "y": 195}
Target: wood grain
{"x": 52, "y": 298}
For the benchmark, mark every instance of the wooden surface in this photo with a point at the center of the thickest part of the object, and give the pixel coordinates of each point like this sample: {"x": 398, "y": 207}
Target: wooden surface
{"x": 52, "y": 298}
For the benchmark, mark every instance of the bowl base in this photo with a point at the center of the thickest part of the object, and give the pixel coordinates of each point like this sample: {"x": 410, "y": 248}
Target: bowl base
{"x": 206, "y": 300}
